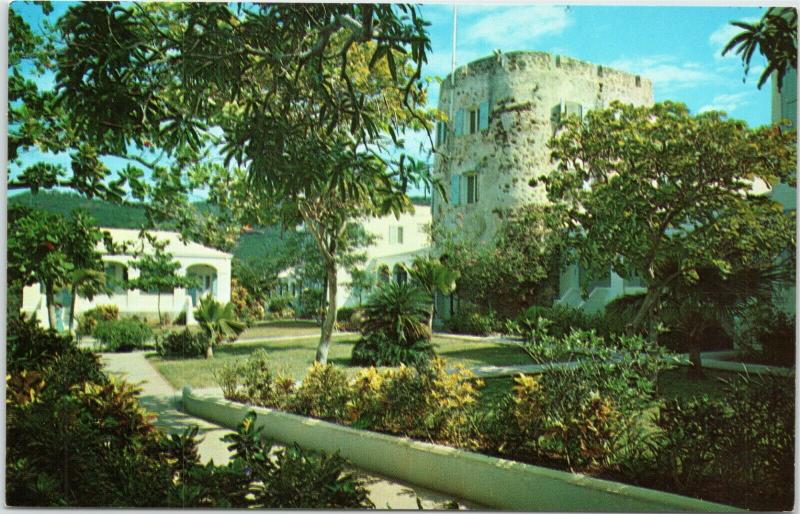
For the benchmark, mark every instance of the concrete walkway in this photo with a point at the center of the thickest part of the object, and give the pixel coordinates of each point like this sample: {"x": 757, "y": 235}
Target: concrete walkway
{"x": 159, "y": 397}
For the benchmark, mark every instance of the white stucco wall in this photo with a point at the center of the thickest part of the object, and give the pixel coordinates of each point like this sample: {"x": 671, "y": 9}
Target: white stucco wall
{"x": 139, "y": 302}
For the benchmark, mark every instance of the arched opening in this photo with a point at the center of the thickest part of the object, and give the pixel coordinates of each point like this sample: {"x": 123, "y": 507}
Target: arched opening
{"x": 205, "y": 278}
{"x": 399, "y": 273}
{"x": 384, "y": 275}
{"x": 116, "y": 277}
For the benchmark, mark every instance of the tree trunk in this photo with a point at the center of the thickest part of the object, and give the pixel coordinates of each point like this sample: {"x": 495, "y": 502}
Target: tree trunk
{"x": 330, "y": 315}
{"x": 430, "y": 321}
{"x": 73, "y": 296}
{"x": 209, "y": 350}
{"x": 696, "y": 369}
{"x": 51, "y": 305}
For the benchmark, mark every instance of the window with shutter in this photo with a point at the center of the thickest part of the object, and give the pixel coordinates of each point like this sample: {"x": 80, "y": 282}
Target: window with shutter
{"x": 472, "y": 189}
{"x": 459, "y": 129}
{"x": 473, "y": 121}
{"x": 484, "y": 116}
{"x": 455, "y": 189}
{"x": 399, "y": 235}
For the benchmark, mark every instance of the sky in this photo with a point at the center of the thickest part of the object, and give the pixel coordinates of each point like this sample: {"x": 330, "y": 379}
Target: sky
{"x": 677, "y": 47}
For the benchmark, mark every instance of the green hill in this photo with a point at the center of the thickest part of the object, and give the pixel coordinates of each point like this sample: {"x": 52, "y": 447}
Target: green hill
{"x": 107, "y": 214}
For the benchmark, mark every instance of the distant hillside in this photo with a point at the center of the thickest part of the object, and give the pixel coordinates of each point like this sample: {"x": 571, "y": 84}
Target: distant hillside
{"x": 107, "y": 214}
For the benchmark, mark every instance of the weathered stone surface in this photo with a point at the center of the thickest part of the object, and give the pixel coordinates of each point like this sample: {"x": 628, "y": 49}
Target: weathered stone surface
{"x": 526, "y": 92}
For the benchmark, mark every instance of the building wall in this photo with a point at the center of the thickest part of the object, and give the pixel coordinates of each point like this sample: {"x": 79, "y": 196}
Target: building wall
{"x": 784, "y": 108}
{"x": 524, "y": 93}
{"x": 138, "y": 302}
{"x": 387, "y": 250}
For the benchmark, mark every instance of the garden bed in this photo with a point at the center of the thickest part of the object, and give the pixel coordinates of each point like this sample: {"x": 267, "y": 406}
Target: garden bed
{"x": 491, "y": 481}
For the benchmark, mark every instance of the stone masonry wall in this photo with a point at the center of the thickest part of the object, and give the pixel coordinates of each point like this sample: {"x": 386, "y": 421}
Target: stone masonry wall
{"x": 523, "y": 89}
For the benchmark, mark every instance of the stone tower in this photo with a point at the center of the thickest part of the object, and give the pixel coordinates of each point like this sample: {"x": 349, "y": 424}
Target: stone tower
{"x": 502, "y": 110}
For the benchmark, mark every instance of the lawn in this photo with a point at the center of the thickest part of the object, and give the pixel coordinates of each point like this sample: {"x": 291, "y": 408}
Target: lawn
{"x": 295, "y": 356}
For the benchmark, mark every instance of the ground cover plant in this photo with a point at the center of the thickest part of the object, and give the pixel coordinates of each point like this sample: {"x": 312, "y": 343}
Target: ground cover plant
{"x": 104, "y": 451}
{"x": 604, "y": 416}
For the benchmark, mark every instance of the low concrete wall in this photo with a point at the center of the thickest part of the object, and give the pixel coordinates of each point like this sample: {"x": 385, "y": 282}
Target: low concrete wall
{"x": 490, "y": 481}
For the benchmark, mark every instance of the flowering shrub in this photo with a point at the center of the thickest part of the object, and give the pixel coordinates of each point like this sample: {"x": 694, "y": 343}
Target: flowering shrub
{"x": 324, "y": 393}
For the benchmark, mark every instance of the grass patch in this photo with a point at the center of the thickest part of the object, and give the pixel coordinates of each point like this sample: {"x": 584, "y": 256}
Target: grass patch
{"x": 295, "y": 356}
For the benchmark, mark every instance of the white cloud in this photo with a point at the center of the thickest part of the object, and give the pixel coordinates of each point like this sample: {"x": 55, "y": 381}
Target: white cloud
{"x": 727, "y": 102}
{"x": 720, "y": 37}
{"x": 517, "y": 25}
{"x": 667, "y": 73}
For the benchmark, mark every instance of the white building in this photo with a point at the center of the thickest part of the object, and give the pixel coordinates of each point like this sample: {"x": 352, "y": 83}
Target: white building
{"x": 211, "y": 267}
{"x": 397, "y": 241}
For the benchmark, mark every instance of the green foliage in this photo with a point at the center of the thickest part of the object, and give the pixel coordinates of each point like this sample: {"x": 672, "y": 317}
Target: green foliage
{"x": 561, "y": 320}
{"x": 281, "y": 306}
{"x": 399, "y": 311}
{"x": 323, "y": 393}
{"x": 775, "y": 36}
{"x": 247, "y": 307}
{"x": 253, "y": 381}
{"x": 395, "y": 327}
{"x": 343, "y": 314}
{"x": 670, "y": 198}
{"x": 767, "y": 334}
{"x": 107, "y": 214}
{"x": 123, "y": 335}
{"x": 293, "y": 477}
{"x": 87, "y": 321}
{"x": 747, "y": 437}
{"x": 469, "y": 321}
{"x": 218, "y": 321}
{"x": 377, "y": 349}
{"x": 523, "y": 260}
{"x": 30, "y": 347}
{"x": 183, "y": 344}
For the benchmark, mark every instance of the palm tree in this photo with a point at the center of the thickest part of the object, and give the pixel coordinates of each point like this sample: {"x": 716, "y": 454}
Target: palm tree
{"x": 711, "y": 296}
{"x": 218, "y": 321}
{"x": 775, "y": 37}
{"x": 433, "y": 277}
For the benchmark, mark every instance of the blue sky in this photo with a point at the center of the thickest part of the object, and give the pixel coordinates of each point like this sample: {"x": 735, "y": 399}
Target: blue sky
{"x": 678, "y": 48}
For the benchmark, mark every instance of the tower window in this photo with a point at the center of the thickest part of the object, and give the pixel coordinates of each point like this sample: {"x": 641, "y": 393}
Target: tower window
{"x": 474, "y": 114}
{"x": 472, "y": 189}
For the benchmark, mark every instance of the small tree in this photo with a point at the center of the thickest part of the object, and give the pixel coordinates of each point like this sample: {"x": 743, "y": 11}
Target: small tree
{"x": 218, "y": 321}
{"x": 361, "y": 281}
{"x": 158, "y": 272}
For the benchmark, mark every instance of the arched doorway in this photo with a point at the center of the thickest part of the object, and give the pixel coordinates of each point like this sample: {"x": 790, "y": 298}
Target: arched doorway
{"x": 205, "y": 281}
{"x": 400, "y": 274}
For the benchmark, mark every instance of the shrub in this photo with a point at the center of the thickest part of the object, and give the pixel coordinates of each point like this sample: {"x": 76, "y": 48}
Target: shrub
{"x": 378, "y": 350}
{"x": 562, "y": 319}
{"x": 324, "y": 393}
{"x": 349, "y": 318}
{"x": 343, "y": 314}
{"x": 747, "y": 437}
{"x": 768, "y": 335}
{"x": 183, "y": 344}
{"x": 180, "y": 319}
{"x": 218, "y": 321}
{"x": 31, "y": 347}
{"x": 247, "y": 307}
{"x": 87, "y": 321}
{"x": 590, "y": 415}
{"x": 473, "y": 323}
{"x": 261, "y": 385}
{"x": 280, "y": 305}
{"x": 123, "y": 335}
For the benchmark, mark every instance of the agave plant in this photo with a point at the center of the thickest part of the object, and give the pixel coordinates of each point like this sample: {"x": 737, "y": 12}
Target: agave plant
{"x": 218, "y": 321}
{"x": 400, "y": 311}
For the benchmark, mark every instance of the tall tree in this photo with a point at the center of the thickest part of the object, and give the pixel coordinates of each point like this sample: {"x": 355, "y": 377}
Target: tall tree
{"x": 306, "y": 96}
{"x": 666, "y": 195}
{"x": 774, "y": 36}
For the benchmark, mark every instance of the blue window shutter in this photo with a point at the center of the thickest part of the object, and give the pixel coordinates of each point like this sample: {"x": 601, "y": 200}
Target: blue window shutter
{"x": 484, "y": 116}
{"x": 459, "y": 122}
{"x": 455, "y": 189}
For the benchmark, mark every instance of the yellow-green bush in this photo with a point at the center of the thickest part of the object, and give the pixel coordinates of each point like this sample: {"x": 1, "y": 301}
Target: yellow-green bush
{"x": 324, "y": 393}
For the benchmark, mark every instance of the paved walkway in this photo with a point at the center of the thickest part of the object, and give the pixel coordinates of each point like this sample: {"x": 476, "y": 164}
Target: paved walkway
{"x": 159, "y": 397}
